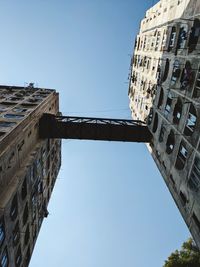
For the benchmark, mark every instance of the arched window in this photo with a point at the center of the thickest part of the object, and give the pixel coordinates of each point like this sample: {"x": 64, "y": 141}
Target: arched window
{"x": 181, "y": 157}
{"x": 172, "y": 38}
{"x": 170, "y": 142}
{"x": 168, "y": 104}
{"x": 177, "y": 111}
{"x": 14, "y": 208}
{"x": 155, "y": 123}
{"x": 191, "y": 121}
{"x": 194, "y": 36}
{"x": 161, "y": 97}
{"x": 186, "y": 76}
{"x": 182, "y": 38}
{"x": 166, "y": 71}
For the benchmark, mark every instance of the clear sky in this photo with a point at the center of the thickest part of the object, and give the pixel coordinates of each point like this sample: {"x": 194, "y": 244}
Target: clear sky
{"x": 110, "y": 206}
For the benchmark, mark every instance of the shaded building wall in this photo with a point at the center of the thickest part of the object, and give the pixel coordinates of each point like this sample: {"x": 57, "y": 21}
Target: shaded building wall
{"x": 164, "y": 91}
{"x": 28, "y": 170}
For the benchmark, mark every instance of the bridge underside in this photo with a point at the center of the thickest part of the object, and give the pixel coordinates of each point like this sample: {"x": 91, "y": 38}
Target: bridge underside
{"x": 52, "y": 126}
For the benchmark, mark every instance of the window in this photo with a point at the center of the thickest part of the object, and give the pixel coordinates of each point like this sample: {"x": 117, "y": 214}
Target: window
{"x": 170, "y": 142}
{"x": 162, "y": 133}
{"x": 13, "y": 116}
{"x": 196, "y": 221}
{"x": 176, "y": 72}
{"x": 2, "y": 231}
{"x": 7, "y": 124}
{"x": 18, "y": 257}
{"x": 196, "y": 92}
{"x": 24, "y": 189}
{"x": 186, "y": 77}
{"x": 25, "y": 214}
{"x": 177, "y": 111}
{"x": 16, "y": 234}
{"x": 168, "y": 104}
{"x": 4, "y": 258}
{"x": 194, "y": 36}
{"x": 166, "y": 71}
{"x": 27, "y": 235}
{"x": 150, "y": 116}
{"x": 157, "y": 42}
{"x": 191, "y": 121}
{"x": 181, "y": 157}
{"x": 155, "y": 123}
{"x": 160, "y": 101}
{"x": 14, "y": 208}
{"x": 183, "y": 198}
{"x": 172, "y": 38}
{"x": 182, "y": 38}
{"x": 194, "y": 180}
{"x": 18, "y": 109}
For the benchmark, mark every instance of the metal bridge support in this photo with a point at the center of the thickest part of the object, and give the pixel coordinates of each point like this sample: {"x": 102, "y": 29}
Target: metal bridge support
{"x": 52, "y": 126}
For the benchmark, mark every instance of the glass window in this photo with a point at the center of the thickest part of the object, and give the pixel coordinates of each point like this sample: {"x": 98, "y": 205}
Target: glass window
{"x": 2, "y": 231}
{"x": 14, "y": 208}
{"x": 155, "y": 123}
{"x": 191, "y": 121}
{"x": 187, "y": 77}
{"x": 182, "y": 38}
{"x": 160, "y": 101}
{"x": 13, "y": 116}
{"x": 172, "y": 38}
{"x": 168, "y": 104}
{"x": 176, "y": 72}
{"x": 7, "y": 123}
{"x": 194, "y": 180}
{"x": 4, "y": 258}
{"x": 194, "y": 36}
{"x": 181, "y": 157}
{"x": 177, "y": 112}
{"x": 196, "y": 92}
{"x": 166, "y": 71}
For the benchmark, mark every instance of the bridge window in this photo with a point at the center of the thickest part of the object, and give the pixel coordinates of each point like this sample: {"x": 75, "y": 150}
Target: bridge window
{"x": 177, "y": 111}
{"x": 170, "y": 142}
{"x": 14, "y": 208}
{"x": 155, "y": 123}
{"x": 191, "y": 121}
{"x": 194, "y": 36}
{"x": 181, "y": 157}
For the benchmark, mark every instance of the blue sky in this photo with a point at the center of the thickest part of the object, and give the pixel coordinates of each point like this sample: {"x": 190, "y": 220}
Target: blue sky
{"x": 110, "y": 206}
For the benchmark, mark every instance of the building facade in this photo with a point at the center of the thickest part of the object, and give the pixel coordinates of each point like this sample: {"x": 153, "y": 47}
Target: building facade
{"x": 164, "y": 91}
{"x": 28, "y": 169}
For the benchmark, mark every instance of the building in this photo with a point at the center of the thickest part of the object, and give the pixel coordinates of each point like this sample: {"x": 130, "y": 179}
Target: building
{"x": 28, "y": 170}
{"x": 164, "y": 91}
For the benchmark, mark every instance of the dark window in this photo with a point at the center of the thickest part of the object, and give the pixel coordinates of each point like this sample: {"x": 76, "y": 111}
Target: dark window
{"x": 162, "y": 133}
{"x": 168, "y": 104}
{"x": 160, "y": 101}
{"x": 183, "y": 198}
{"x": 166, "y": 71}
{"x": 196, "y": 220}
{"x": 196, "y": 92}
{"x": 181, "y": 157}
{"x": 194, "y": 180}
{"x": 150, "y": 116}
{"x": 170, "y": 142}
{"x": 177, "y": 111}
{"x": 4, "y": 258}
{"x": 2, "y": 231}
{"x": 25, "y": 214}
{"x": 27, "y": 236}
{"x": 191, "y": 121}
{"x": 18, "y": 257}
{"x": 16, "y": 234}
{"x": 194, "y": 36}
{"x": 27, "y": 256}
{"x": 187, "y": 77}
{"x": 155, "y": 123}
{"x": 24, "y": 189}
{"x": 14, "y": 208}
